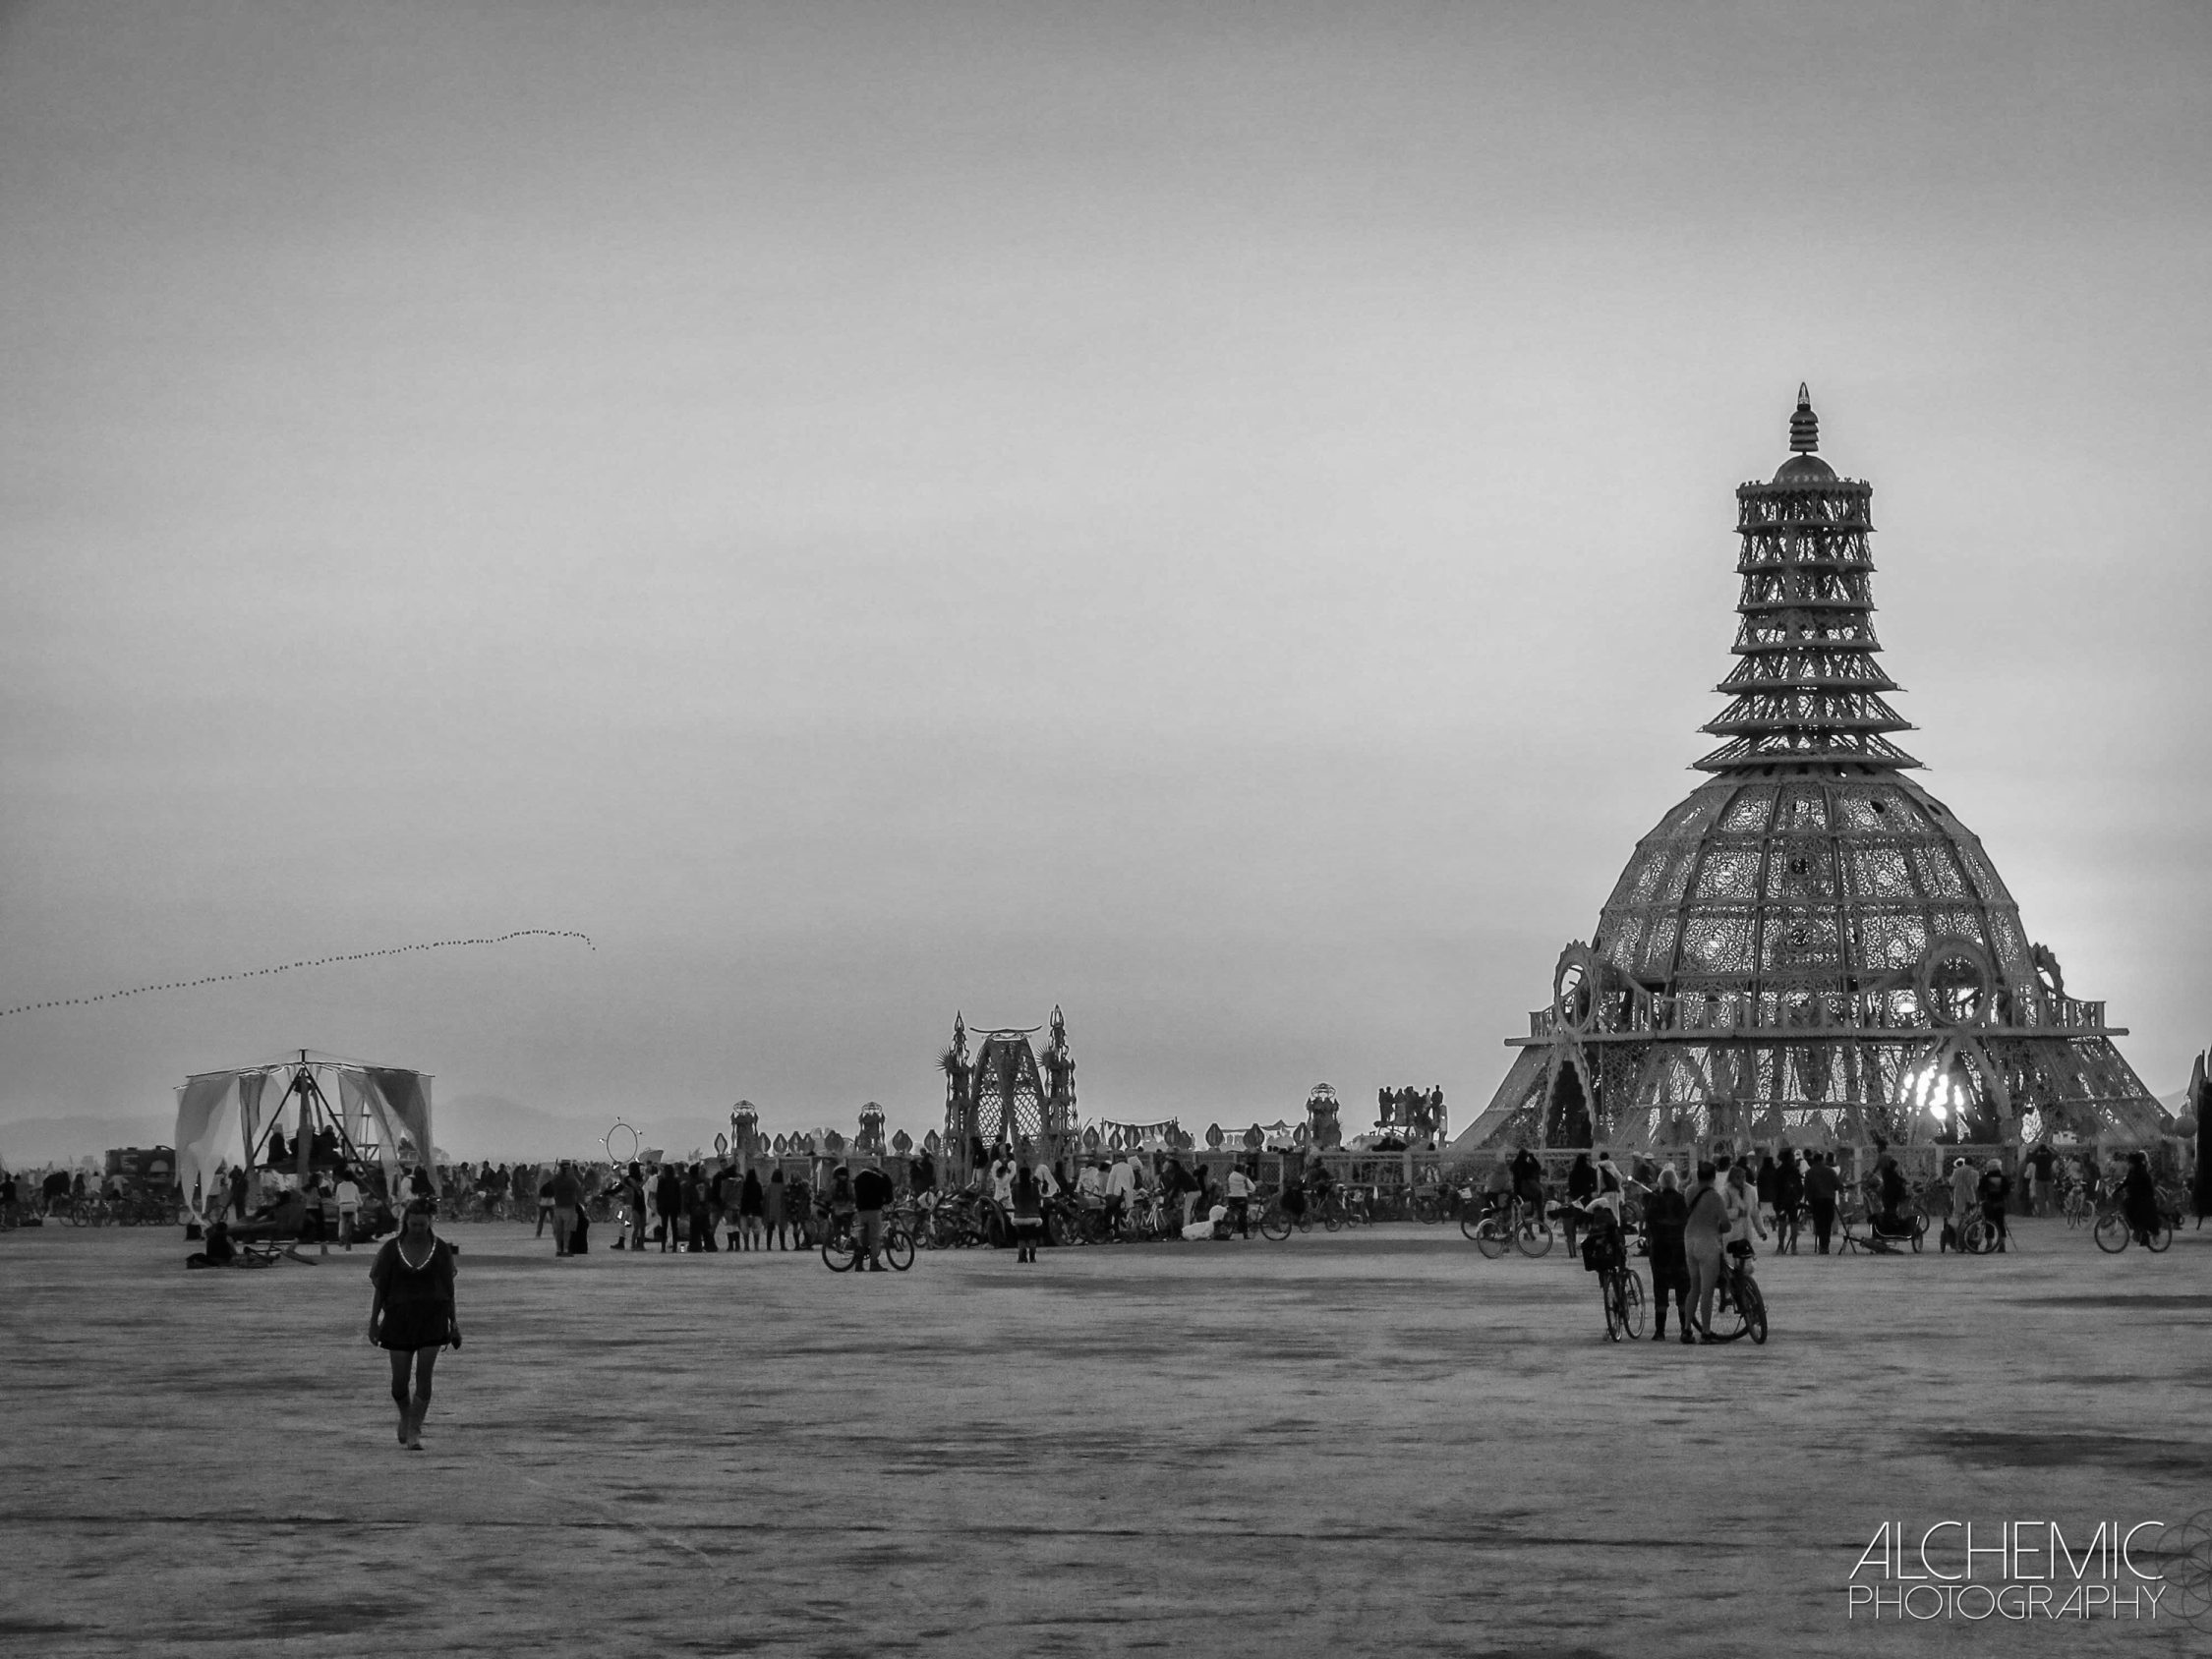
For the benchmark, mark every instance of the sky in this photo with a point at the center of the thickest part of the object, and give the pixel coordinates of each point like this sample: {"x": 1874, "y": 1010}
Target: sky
{"x": 1216, "y": 517}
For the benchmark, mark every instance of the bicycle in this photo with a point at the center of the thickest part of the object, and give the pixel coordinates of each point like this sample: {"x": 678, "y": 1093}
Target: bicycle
{"x": 841, "y": 1251}
{"x": 1622, "y": 1289}
{"x": 1514, "y": 1224}
{"x": 2114, "y": 1233}
{"x": 2076, "y": 1206}
{"x": 1980, "y": 1237}
{"x": 1740, "y": 1295}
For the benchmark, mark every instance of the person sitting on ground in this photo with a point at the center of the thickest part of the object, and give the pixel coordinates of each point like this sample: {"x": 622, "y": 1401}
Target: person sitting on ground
{"x": 1215, "y": 1226}
{"x": 283, "y": 1218}
{"x": 216, "y": 1249}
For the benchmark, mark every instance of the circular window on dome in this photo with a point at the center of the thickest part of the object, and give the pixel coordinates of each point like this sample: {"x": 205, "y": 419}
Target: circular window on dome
{"x": 1956, "y": 984}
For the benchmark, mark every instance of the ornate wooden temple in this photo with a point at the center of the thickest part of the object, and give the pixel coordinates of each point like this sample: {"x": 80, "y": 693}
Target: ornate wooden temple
{"x": 1810, "y": 945}
{"x": 1009, "y": 1094}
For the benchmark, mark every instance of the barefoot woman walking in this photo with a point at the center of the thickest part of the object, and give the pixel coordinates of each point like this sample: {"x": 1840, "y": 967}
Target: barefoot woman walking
{"x": 413, "y": 1315}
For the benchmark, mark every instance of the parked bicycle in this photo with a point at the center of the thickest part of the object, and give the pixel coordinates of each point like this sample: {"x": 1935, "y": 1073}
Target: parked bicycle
{"x": 840, "y": 1249}
{"x": 1514, "y": 1224}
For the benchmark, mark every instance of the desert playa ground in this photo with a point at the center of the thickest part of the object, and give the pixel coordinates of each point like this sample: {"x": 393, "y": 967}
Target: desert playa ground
{"x": 1372, "y": 1442}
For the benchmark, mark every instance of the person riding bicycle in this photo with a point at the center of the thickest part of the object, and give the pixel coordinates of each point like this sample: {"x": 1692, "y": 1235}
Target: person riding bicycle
{"x": 1890, "y": 1188}
{"x": 2138, "y": 1199}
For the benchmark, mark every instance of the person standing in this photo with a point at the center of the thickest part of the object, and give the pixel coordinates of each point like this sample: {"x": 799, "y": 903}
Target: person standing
{"x": 1996, "y": 1187}
{"x": 413, "y": 1314}
{"x": 750, "y": 1201}
{"x": 349, "y": 1206}
{"x": 1027, "y": 1214}
{"x": 567, "y": 1198}
{"x": 698, "y": 1205}
{"x": 1665, "y": 1213}
{"x": 1582, "y": 1188}
{"x": 238, "y": 1190}
{"x": 545, "y": 1203}
{"x": 1240, "y": 1188}
{"x": 1965, "y": 1196}
{"x": 1824, "y": 1188}
{"x": 871, "y": 1196}
{"x": 1704, "y": 1225}
{"x": 667, "y": 1204}
{"x": 1121, "y": 1195}
{"x": 772, "y": 1210}
{"x": 1789, "y": 1199}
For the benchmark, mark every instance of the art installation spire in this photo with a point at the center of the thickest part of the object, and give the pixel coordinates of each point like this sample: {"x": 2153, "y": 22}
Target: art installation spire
{"x": 1810, "y": 945}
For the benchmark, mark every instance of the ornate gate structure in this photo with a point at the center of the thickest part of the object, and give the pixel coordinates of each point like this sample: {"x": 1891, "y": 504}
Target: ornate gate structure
{"x": 1009, "y": 1094}
{"x": 1811, "y": 944}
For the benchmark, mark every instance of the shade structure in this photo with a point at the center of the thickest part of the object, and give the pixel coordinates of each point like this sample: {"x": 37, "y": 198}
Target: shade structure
{"x": 1811, "y": 944}
{"x": 377, "y": 1108}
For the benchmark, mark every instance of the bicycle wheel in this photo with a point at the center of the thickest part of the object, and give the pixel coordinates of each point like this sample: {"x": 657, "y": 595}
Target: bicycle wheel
{"x": 1490, "y": 1237}
{"x": 2112, "y": 1232}
{"x": 839, "y": 1252}
{"x": 1632, "y": 1303}
{"x": 899, "y": 1248}
{"x": 1331, "y": 1218}
{"x": 1754, "y": 1312}
{"x": 2158, "y": 1238}
{"x": 1428, "y": 1211}
{"x": 1276, "y": 1224}
{"x": 1534, "y": 1238}
{"x": 1616, "y": 1308}
{"x": 1471, "y": 1227}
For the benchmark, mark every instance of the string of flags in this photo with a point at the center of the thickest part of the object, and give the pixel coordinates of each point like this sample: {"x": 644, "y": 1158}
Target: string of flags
{"x": 288, "y": 967}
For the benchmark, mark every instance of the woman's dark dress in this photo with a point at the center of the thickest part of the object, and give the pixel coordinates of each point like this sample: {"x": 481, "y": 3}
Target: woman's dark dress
{"x": 418, "y": 1301}
{"x": 1665, "y": 1214}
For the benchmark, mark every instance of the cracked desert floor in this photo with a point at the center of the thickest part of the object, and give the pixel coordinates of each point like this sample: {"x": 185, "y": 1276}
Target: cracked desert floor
{"x": 1371, "y": 1442}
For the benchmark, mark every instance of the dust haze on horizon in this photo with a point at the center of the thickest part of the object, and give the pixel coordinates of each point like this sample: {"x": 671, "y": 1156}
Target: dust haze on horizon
{"x": 1216, "y": 518}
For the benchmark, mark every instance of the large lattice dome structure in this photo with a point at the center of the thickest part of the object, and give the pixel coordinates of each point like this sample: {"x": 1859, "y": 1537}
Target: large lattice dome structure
{"x": 1811, "y": 944}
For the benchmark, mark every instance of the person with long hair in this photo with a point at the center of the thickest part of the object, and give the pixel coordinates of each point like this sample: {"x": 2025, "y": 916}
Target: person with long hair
{"x": 751, "y": 1201}
{"x": 413, "y": 1314}
{"x": 1665, "y": 1213}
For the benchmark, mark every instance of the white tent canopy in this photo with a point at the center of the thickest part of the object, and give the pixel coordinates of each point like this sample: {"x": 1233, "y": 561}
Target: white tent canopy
{"x": 377, "y": 1106}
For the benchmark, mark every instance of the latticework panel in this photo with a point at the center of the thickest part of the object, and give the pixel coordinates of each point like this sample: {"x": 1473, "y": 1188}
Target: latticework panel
{"x": 1817, "y": 883}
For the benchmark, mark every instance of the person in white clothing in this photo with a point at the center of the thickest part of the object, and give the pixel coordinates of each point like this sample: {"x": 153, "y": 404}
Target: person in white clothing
{"x": 1213, "y": 1227}
{"x": 1121, "y": 1194}
{"x": 1002, "y": 1180}
{"x": 1047, "y": 1187}
{"x": 349, "y": 1206}
{"x": 1240, "y": 1189}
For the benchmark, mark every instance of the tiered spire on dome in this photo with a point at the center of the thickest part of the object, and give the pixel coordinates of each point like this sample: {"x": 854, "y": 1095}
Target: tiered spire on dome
{"x": 1807, "y": 687}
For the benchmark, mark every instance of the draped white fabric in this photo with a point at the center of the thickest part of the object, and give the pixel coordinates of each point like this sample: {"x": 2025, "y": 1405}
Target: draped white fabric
{"x": 200, "y": 1129}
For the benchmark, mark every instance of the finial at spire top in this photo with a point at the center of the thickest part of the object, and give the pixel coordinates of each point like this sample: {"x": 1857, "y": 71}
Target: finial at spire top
{"x": 1804, "y": 426}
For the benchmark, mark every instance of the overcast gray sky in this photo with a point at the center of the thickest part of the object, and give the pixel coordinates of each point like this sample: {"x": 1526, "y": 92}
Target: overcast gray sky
{"x": 1218, "y": 516}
